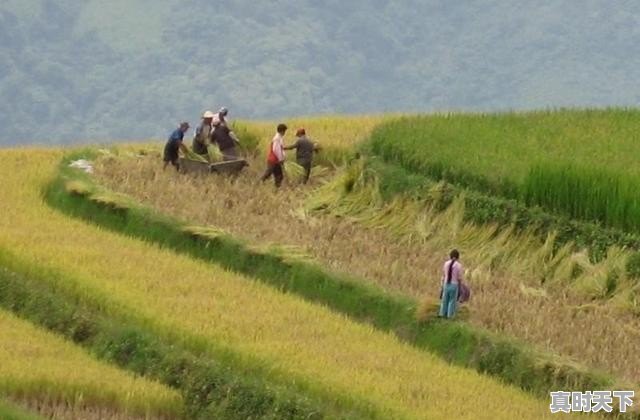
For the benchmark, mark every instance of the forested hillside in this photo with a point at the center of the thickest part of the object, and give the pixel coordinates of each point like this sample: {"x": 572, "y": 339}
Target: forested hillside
{"x": 92, "y": 70}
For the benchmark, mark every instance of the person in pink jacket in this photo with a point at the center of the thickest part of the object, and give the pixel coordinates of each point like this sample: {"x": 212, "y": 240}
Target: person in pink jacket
{"x": 451, "y": 280}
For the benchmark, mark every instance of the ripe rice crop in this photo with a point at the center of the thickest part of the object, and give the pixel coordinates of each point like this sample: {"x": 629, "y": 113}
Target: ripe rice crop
{"x": 337, "y": 135}
{"x": 507, "y": 269}
{"x": 297, "y": 343}
{"x": 578, "y": 163}
{"x": 46, "y": 372}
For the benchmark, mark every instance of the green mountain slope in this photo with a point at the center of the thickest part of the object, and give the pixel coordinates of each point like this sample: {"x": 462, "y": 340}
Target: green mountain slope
{"x": 130, "y": 69}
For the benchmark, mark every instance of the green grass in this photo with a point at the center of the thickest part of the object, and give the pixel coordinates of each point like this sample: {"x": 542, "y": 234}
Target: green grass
{"x": 581, "y": 163}
{"x": 485, "y": 352}
{"x": 481, "y": 208}
{"x": 10, "y": 412}
{"x": 585, "y": 193}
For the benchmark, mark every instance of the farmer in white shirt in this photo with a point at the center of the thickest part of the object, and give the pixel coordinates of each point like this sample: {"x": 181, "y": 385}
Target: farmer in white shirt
{"x": 275, "y": 158}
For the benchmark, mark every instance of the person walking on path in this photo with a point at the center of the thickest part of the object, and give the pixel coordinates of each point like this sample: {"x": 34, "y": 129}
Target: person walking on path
{"x": 202, "y": 136}
{"x": 304, "y": 152}
{"x": 275, "y": 158}
{"x": 174, "y": 144}
{"x": 451, "y": 281}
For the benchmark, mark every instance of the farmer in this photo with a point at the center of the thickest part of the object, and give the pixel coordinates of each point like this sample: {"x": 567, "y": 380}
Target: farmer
{"x": 304, "y": 152}
{"x": 451, "y": 280}
{"x": 221, "y": 116}
{"x": 174, "y": 144}
{"x": 202, "y": 136}
{"x": 275, "y": 158}
{"x": 225, "y": 139}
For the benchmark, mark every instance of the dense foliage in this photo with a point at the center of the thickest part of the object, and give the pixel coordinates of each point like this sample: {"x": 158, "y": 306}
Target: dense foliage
{"x": 73, "y": 71}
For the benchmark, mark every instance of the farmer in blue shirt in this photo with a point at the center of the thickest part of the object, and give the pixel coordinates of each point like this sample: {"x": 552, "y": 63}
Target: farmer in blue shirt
{"x": 174, "y": 144}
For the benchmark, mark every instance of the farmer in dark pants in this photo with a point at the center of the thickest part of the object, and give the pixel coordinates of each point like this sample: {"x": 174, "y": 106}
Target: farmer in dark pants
{"x": 226, "y": 140}
{"x": 304, "y": 152}
{"x": 174, "y": 144}
{"x": 275, "y": 158}
{"x": 202, "y": 137}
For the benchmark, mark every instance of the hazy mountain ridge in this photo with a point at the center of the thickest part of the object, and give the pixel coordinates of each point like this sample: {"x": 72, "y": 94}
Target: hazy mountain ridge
{"x": 75, "y": 72}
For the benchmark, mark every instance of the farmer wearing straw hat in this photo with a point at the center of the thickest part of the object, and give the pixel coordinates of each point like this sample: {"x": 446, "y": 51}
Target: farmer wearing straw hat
{"x": 174, "y": 144}
{"x": 304, "y": 152}
{"x": 202, "y": 136}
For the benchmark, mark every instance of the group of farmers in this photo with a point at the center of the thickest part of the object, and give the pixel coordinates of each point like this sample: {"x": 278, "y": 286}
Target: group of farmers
{"x": 214, "y": 130}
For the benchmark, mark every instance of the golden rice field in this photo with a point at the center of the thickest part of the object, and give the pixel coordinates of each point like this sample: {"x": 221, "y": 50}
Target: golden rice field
{"x": 401, "y": 248}
{"x": 333, "y": 132}
{"x": 56, "y": 378}
{"x": 297, "y": 342}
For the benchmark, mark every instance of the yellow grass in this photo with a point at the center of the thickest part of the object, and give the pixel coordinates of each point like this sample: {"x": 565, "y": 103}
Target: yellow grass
{"x": 62, "y": 411}
{"x": 337, "y": 135}
{"x": 331, "y": 131}
{"x": 505, "y": 270}
{"x": 54, "y": 375}
{"x": 293, "y": 339}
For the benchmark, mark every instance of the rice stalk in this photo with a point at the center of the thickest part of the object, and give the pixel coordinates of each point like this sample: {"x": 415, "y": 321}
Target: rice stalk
{"x": 214, "y": 153}
{"x": 191, "y": 155}
{"x": 293, "y": 171}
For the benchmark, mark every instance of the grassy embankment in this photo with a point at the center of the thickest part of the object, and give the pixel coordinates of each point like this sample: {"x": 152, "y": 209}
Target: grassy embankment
{"x": 44, "y": 372}
{"x": 274, "y": 337}
{"x": 9, "y": 411}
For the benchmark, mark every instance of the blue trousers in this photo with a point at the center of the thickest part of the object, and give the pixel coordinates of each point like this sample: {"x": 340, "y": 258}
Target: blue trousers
{"x": 449, "y": 302}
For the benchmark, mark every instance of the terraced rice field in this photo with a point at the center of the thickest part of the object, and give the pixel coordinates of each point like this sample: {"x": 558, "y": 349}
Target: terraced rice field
{"x": 524, "y": 286}
{"x": 298, "y": 344}
{"x": 51, "y": 376}
{"x": 580, "y": 163}
{"x": 504, "y": 269}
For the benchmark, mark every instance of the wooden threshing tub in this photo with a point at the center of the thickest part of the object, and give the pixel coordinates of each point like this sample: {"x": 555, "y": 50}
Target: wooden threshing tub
{"x": 230, "y": 167}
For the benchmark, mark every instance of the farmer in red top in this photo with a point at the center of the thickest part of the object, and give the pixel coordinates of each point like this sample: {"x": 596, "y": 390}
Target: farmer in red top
{"x": 275, "y": 158}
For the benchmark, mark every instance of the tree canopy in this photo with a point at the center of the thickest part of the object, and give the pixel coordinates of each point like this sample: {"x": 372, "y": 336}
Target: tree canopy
{"x": 93, "y": 70}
